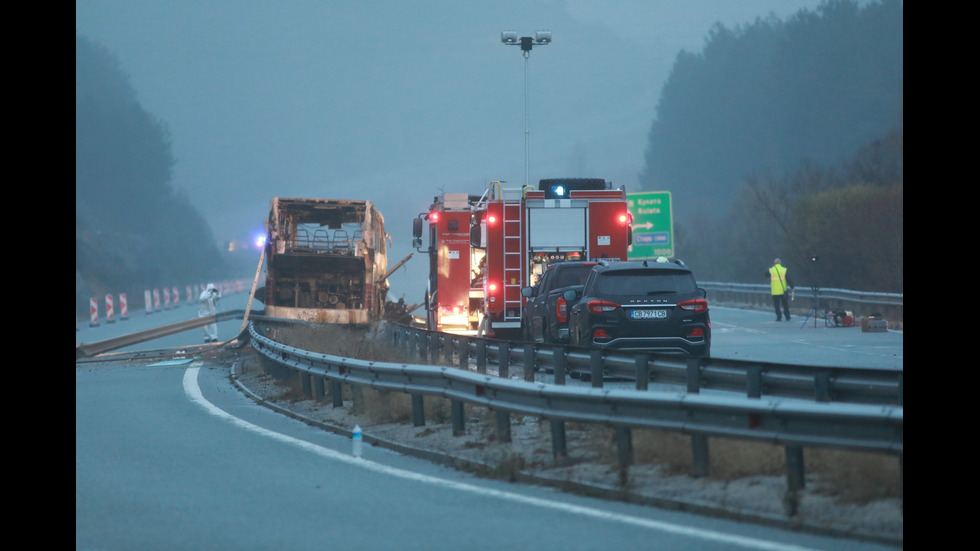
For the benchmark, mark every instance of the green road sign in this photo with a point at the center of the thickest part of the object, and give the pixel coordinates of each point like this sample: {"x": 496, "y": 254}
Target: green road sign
{"x": 653, "y": 224}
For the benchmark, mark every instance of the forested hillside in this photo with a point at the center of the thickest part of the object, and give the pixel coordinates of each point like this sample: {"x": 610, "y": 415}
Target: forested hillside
{"x": 133, "y": 231}
{"x": 786, "y": 139}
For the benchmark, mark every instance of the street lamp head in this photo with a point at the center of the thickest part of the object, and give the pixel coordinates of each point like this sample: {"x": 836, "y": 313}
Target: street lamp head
{"x": 540, "y": 38}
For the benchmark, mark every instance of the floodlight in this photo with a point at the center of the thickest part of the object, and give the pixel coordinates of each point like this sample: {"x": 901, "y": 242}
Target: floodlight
{"x": 508, "y": 37}
{"x": 542, "y": 37}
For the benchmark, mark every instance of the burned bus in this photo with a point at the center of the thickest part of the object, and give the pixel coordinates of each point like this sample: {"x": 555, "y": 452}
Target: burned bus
{"x": 326, "y": 261}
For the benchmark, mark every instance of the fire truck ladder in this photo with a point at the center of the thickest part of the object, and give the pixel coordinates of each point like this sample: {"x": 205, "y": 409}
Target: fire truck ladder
{"x": 513, "y": 208}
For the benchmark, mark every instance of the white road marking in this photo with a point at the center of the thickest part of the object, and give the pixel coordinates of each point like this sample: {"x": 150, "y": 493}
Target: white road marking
{"x": 193, "y": 391}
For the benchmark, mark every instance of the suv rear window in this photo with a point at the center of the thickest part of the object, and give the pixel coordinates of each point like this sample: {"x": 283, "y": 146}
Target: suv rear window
{"x": 645, "y": 282}
{"x": 572, "y": 276}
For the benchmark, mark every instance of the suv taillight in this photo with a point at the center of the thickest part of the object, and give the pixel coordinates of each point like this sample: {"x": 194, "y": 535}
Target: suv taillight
{"x": 601, "y": 306}
{"x": 561, "y": 310}
{"x": 696, "y": 305}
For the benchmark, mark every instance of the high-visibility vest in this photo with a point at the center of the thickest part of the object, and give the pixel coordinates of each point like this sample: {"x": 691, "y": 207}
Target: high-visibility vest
{"x": 777, "y": 276}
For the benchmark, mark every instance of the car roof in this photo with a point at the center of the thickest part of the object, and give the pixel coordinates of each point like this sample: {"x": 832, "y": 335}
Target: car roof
{"x": 571, "y": 263}
{"x": 675, "y": 265}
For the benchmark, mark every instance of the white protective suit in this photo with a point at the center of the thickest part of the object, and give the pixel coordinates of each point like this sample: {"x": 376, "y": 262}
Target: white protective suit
{"x": 210, "y": 298}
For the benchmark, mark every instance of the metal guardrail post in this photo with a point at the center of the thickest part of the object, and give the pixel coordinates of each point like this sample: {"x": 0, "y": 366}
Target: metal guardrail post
{"x": 558, "y": 443}
{"x": 337, "y": 393}
{"x": 418, "y": 410}
{"x": 503, "y": 371}
{"x": 901, "y": 389}
{"x": 699, "y": 442}
{"x": 459, "y": 427}
{"x": 596, "y": 367}
{"x": 503, "y": 360}
{"x": 529, "y": 363}
{"x": 558, "y": 354}
{"x": 306, "y": 382}
{"x": 795, "y": 475}
{"x": 481, "y": 356}
{"x": 503, "y": 426}
{"x": 642, "y": 371}
{"x": 624, "y": 448}
{"x": 694, "y": 375}
{"x": 699, "y": 455}
{"x": 753, "y": 376}
{"x": 821, "y": 385}
{"x": 318, "y": 390}
{"x": 464, "y": 352}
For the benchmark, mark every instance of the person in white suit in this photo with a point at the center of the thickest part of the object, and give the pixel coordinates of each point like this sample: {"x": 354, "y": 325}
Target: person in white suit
{"x": 210, "y": 297}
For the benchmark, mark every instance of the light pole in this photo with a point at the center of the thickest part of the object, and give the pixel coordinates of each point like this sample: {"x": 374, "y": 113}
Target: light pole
{"x": 540, "y": 38}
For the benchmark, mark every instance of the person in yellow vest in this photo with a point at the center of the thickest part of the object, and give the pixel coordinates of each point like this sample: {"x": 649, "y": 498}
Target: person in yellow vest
{"x": 782, "y": 285}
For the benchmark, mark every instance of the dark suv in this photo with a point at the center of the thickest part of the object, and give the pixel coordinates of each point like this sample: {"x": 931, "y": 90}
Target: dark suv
{"x": 545, "y": 316}
{"x": 655, "y": 306}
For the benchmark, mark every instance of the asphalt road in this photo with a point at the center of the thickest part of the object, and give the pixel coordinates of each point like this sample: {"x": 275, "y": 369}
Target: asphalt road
{"x": 171, "y": 456}
{"x": 754, "y": 335}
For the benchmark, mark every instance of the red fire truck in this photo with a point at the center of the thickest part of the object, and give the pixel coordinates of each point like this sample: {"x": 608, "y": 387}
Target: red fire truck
{"x": 484, "y": 249}
{"x": 522, "y": 230}
{"x": 454, "y": 295}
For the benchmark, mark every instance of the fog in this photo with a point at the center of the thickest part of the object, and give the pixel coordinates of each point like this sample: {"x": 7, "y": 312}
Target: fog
{"x": 397, "y": 102}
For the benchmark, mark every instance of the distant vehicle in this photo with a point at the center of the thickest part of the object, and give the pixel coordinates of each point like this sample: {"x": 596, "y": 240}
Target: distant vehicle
{"x": 326, "y": 261}
{"x": 546, "y": 311}
{"x": 651, "y": 305}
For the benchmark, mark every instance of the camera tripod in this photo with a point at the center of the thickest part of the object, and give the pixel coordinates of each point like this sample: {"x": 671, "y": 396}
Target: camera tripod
{"x": 816, "y": 312}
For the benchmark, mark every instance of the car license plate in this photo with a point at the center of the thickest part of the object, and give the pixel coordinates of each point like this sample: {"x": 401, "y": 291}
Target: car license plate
{"x": 648, "y": 314}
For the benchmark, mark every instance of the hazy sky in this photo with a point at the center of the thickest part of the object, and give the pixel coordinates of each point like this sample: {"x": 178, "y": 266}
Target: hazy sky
{"x": 397, "y": 101}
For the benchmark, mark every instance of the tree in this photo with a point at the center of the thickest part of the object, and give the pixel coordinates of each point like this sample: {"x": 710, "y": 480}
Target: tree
{"x": 857, "y": 232}
{"x": 760, "y": 98}
{"x": 131, "y": 226}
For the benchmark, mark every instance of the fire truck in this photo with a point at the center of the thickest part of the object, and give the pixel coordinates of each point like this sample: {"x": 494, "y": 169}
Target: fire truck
{"x": 522, "y": 230}
{"x": 484, "y": 249}
{"x": 454, "y": 294}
